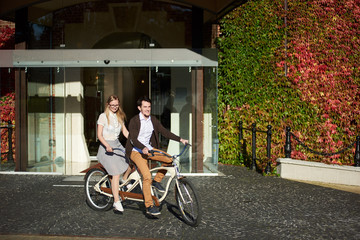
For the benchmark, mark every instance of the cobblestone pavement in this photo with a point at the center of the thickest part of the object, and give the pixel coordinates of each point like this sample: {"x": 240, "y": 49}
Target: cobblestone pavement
{"x": 240, "y": 204}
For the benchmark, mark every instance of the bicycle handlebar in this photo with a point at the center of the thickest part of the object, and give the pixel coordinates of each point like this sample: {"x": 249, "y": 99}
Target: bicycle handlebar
{"x": 120, "y": 149}
{"x": 173, "y": 156}
{"x": 113, "y": 152}
{"x": 152, "y": 152}
{"x": 183, "y": 150}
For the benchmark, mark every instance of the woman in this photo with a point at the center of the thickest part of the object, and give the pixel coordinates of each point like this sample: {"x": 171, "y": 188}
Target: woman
{"x": 109, "y": 126}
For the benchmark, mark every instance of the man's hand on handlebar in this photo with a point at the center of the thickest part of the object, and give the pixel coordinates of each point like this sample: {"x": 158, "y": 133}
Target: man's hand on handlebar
{"x": 184, "y": 141}
{"x": 145, "y": 150}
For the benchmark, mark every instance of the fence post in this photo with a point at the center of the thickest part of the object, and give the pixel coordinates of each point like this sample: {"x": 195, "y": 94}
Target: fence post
{"x": 253, "y": 147}
{"x": 357, "y": 152}
{"x": 10, "y": 152}
{"x": 287, "y": 147}
{"x": 268, "y": 149}
{"x": 10, "y": 157}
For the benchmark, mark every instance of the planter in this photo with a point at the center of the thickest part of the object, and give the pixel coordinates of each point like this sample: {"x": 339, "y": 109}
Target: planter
{"x": 318, "y": 172}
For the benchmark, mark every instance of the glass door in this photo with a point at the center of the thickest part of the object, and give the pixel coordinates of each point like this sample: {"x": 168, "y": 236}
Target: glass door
{"x": 185, "y": 101}
{"x": 171, "y": 96}
{"x": 99, "y": 83}
{"x": 46, "y": 148}
{"x": 211, "y": 141}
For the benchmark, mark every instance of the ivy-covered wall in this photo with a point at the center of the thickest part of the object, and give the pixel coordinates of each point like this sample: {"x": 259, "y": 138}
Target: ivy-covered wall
{"x": 319, "y": 95}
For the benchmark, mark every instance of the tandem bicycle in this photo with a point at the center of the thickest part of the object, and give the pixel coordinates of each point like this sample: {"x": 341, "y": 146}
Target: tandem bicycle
{"x": 99, "y": 195}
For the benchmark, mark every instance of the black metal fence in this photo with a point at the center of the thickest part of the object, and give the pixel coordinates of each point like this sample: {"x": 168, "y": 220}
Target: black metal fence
{"x": 9, "y": 127}
{"x": 287, "y": 147}
{"x": 254, "y": 130}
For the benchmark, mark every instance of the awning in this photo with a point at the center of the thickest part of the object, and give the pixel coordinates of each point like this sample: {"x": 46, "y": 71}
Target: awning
{"x": 163, "y": 57}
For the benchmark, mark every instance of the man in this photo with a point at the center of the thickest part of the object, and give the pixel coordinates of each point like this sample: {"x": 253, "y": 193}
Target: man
{"x": 144, "y": 132}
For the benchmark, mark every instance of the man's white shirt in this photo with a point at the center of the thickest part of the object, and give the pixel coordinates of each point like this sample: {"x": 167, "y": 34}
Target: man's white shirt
{"x": 146, "y": 130}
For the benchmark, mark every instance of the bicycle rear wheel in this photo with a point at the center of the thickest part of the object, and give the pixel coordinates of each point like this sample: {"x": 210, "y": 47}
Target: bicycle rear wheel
{"x": 188, "y": 202}
{"x": 94, "y": 198}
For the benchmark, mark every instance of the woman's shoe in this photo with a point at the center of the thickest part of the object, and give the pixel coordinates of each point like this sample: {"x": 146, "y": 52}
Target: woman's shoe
{"x": 118, "y": 208}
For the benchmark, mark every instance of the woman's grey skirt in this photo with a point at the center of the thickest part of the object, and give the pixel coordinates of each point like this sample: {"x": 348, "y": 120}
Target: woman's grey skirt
{"x": 115, "y": 163}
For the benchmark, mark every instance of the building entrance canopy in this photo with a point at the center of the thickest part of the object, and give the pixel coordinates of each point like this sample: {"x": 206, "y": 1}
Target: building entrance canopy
{"x": 108, "y": 58}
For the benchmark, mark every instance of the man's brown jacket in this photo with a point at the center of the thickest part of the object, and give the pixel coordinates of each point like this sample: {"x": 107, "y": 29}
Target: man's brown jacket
{"x": 134, "y": 129}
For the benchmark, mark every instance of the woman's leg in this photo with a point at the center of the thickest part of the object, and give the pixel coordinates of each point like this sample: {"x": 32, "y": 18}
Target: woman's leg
{"x": 115, "y": 187}
{"x": 115, "y": 190}
{"x": 126, "y": 174}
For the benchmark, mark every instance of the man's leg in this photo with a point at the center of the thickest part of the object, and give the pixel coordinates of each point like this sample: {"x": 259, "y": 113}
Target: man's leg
{"x": 166, "y": 161}
{"x": 142, "y": 165}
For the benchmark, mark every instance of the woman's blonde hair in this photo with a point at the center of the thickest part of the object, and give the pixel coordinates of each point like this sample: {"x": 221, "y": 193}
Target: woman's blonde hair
{"x": 120, "y": 113}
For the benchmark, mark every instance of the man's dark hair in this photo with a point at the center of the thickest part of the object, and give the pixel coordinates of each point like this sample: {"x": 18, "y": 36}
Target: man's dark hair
{"x": 143, "y": 98}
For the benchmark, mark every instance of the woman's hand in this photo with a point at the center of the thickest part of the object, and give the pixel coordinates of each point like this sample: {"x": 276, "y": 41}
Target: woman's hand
{"x": 109, "y": 149}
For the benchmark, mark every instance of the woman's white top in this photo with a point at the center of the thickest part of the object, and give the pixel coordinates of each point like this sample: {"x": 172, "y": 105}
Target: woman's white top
{"x": 111, "y": 131}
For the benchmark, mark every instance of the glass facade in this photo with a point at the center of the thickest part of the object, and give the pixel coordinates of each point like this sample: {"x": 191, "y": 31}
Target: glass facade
{"x": 64, "y": 104}
{"x": 71, "y": 65}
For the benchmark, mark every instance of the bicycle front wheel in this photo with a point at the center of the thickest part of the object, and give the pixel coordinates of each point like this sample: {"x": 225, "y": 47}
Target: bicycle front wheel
{"x": 94, "y": 198}
{"x": 188, "y": 202}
